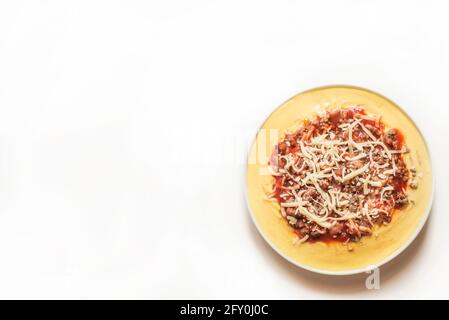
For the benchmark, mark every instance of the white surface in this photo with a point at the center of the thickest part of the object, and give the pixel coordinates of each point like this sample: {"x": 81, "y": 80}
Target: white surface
{"x": 106, "y": 106}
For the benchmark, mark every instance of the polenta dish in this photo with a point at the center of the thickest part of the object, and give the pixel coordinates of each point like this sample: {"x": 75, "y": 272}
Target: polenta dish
{"x": 339, "y": 180}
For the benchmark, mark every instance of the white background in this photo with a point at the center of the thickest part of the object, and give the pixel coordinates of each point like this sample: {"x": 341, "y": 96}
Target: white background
{"x": 124, "y": 127}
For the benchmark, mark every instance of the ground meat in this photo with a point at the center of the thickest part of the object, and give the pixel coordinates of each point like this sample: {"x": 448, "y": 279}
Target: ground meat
{"x": 316, "y": 233}
{"x": 325, "y": 183}
{"x": 304, "y": 231}
{"x": 309, "y": 195}
{"x": 374, "y": 130}
{"x": 334, "y": 117}
{"x": 300, "y": 224}
{"x": 282, "y": 147}
{"x": 391, "y": 139}
{"x": 402, "y": 173}
{"x": 281, "y": 163}
{"x": 382, "y": 219}
{"x": 336, "y": 229}
{"x": 401, "y": 200}
{"x": 357, "y": 164}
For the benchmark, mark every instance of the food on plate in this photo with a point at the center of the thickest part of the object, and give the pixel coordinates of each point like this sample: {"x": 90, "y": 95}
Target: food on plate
{"x": 340, "y": 175}
{"x": 339, "y": 180}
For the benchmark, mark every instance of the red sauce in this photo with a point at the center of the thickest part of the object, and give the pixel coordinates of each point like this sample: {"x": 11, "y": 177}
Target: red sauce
{"x": 290, "y": 146}
{"x": 400, "y": 137}
{"x": 278, "y": 189}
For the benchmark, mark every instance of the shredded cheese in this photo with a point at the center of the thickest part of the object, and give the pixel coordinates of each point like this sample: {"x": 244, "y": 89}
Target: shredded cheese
{"x": 323, "y": 159}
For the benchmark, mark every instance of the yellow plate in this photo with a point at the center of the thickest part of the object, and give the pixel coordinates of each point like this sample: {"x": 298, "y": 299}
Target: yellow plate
{"x": 335, "y": 258}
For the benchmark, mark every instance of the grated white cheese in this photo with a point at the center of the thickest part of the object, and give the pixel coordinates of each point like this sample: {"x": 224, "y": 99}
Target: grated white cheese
{"x": 355, "y": 173}
{"x": 322, "y": 157}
